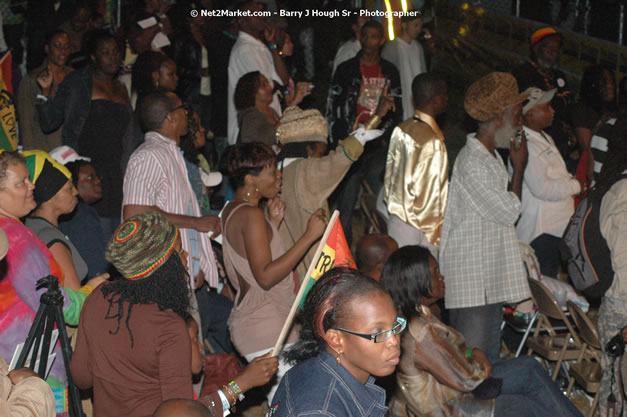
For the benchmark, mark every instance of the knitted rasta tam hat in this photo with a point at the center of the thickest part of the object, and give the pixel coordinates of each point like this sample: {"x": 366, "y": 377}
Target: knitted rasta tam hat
{"x": 46, "y": 174}
{"x": 141, "y": 245}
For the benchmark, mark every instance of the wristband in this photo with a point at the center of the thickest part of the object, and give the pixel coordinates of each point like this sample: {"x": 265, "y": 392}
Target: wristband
{"x": 225, "y": 402}
{"x": 237, "y": 390}
{"x": 469, "y": 353}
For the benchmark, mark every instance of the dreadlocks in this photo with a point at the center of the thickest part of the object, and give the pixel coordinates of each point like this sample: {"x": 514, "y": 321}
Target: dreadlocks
{"x": 166, "y": 287}
{"x": 616, "y": 161}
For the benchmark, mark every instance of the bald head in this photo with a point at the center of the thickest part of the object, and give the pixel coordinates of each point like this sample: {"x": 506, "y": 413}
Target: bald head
{"x": 372, "y": 252}
{"x": 181, "y": 408}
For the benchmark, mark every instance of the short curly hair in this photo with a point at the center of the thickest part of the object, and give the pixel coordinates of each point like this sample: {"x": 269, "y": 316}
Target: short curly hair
{"x": 248, "y": 159}
{"x": 8, "y": 159}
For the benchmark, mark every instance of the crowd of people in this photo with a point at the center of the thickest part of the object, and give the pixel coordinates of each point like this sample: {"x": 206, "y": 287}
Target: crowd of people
{"x": 169, "y": 180}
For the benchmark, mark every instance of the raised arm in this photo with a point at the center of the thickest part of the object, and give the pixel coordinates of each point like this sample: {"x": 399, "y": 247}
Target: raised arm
{"x": 268, "y": 272}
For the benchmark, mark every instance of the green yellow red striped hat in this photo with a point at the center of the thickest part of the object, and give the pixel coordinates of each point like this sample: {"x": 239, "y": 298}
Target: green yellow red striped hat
{"x": 142, "y": 244}
{"x": 543, "y": 33}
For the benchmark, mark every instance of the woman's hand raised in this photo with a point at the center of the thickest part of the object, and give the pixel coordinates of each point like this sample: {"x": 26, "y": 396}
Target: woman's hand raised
{"x": 276, "y": 211}
{"x": 258, "y": 372}
{"x": 44, "y": 79}
{"x": 316, "y": 225}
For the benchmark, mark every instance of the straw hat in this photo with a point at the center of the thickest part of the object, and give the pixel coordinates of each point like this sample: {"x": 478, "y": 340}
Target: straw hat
{"x": 487, "y": 97}
{"x": 298, "y": 125}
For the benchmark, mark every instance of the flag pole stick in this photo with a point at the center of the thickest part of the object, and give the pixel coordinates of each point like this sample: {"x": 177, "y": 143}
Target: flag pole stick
{"x": 303, "y": 285}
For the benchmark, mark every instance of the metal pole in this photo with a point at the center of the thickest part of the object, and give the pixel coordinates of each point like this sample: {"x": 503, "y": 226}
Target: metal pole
{"x": 586, "y": 17}
{"x": 517, "y": 8}
{"x": 119, "y": 13}
{"x": 621, "y": 22}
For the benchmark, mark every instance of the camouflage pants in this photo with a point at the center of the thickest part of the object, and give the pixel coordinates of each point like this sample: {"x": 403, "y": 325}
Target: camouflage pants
{"x": 612, "y": 318}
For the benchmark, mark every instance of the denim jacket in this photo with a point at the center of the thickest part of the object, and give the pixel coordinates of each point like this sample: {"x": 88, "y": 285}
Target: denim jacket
{"x": 70, "y": 107}
{"x": 319, "y": 386}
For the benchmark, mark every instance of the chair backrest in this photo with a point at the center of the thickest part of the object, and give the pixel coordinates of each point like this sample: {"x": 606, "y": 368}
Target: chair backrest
{"x": 587, "y": 330}
{"x": 548, "y": 306}
{"x": 545, "y": 301}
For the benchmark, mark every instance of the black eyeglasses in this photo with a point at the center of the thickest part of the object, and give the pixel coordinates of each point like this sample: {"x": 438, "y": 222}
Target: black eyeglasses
{"x": 380, "y": 337}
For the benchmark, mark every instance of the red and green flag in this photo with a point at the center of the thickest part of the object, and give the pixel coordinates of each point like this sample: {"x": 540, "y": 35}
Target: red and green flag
{"x": 335, "y": 253}
{"x": 8, "y": 121}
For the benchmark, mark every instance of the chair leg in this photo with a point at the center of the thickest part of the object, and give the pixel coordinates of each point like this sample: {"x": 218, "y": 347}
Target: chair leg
{"x": 593, "y": 407}
{"x": 570, "y": 387}
{"x": 556, "y": 371}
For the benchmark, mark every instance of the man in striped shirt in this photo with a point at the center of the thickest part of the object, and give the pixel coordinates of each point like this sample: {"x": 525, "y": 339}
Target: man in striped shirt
{"x": 156, "y": 180}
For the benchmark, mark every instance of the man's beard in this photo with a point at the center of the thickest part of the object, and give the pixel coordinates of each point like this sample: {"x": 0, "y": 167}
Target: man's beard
{"x": 503, "y": 135}
{"x": 546, "y": 65}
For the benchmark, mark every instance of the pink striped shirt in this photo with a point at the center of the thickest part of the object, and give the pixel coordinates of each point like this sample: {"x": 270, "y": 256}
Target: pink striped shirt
{"x": 156, "y": 176}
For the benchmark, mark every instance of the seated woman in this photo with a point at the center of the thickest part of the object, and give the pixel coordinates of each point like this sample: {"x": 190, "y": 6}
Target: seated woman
{"x": 350, "y": 335}
{"x": 256, "y": 119}
{"x": 133, "y": 347}
{"x": 439, "y": 375}
{"x": 28, "y": 260}
{"x": 198, "y": 169}
{"x": 258, "y": 266}
{"x": 55, "y": 196}
{"x": 83, "y": 226}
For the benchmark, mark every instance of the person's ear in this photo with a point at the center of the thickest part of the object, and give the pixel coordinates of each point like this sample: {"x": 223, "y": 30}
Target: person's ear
{"x": 155, "y": 78}
{"x": 335, "y": 339}
{"x": 309, "y": 151}
{"x": 46, "y": 49}
{"x": 249, "y": 180}
{"x": 500, "y": 120}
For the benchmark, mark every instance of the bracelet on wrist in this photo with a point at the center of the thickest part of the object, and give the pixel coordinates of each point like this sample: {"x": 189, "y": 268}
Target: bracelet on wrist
{"x": 226, "y": 405}
{"x": 229, "y": 391}
{"x": 237, "y": 390}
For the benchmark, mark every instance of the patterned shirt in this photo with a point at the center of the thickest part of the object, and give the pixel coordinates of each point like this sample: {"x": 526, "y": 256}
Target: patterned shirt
{"x": 479, "y": 252}
{"x": 156, "y": 176}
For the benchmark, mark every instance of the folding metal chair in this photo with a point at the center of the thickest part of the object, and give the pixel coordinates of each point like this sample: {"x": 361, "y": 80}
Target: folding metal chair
{"x": 587, "y": 370}
{"x": 553, "y": 346}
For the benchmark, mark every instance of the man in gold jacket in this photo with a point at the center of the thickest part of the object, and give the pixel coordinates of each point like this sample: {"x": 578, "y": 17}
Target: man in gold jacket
{"x": 416, "y": 172}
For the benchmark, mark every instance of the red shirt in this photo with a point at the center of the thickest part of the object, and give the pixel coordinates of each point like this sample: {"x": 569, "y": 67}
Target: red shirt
{"x": 372, "y": 84}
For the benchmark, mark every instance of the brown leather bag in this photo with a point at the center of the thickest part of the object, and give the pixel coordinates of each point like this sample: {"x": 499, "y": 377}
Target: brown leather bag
{"x": 220, "y": 369}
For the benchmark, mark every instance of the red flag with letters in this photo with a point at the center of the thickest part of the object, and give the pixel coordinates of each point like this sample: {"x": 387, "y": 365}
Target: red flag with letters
{"x": 335, "y": 253}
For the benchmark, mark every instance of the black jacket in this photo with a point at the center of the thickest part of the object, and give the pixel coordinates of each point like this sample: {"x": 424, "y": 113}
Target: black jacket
{"x": 344, "y": 93}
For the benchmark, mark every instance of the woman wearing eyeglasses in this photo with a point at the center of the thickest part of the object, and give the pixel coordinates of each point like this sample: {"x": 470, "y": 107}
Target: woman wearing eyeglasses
{"x": 439, "y": 375}
{"x": 350, "y": 335}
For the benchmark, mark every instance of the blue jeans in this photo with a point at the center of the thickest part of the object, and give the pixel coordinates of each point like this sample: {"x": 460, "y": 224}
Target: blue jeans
{"x": 528, "y": 391}
{"x": 481, "y": 327}
{"x": 370, "y": 166}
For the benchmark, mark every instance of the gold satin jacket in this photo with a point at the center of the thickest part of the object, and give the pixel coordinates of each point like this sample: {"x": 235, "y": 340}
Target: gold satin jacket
{"x": 416, "y": 175}
{"x": 435, "y": 376}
